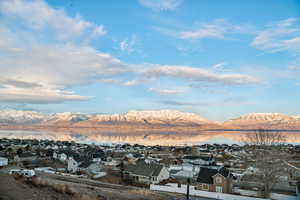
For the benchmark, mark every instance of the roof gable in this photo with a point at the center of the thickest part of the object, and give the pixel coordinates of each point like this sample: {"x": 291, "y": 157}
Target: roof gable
{"x": 206, "y": 174}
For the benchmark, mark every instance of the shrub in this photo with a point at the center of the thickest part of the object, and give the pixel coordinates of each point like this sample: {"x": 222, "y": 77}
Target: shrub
{"x": 63, "y": 188}
{"x": 38, "y": 182}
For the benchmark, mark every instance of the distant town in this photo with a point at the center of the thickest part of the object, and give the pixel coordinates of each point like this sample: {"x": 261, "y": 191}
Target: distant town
{"x": 208, "y": 171}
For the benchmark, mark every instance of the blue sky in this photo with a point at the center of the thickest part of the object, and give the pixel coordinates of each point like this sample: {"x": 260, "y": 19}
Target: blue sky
{"x": 219, "y": 59}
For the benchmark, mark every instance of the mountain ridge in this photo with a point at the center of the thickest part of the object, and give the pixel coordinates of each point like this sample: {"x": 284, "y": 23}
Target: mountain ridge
{"x": 146, "y": 117}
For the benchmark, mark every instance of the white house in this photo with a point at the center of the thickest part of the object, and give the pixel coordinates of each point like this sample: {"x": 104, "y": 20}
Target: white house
{"x": 63, "y": 157}
{"x": 145, "y": 173}
{"x": 76, "y": 164}
{"x": 73, "y": 165}
{"x": 184, "y": 171}
{"x": 3, "y": 161}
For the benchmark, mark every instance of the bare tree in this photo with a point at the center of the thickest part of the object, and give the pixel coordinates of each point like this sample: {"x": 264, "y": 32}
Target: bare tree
{"x": 265, "y": 153}
{"x": 264, "y": 138}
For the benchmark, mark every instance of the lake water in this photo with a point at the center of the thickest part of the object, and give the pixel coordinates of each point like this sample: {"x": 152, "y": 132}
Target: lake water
{"x": 218, "y": 137}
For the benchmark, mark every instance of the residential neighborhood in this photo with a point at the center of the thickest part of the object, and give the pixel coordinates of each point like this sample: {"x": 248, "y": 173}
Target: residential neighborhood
{"x": 207, "y": 169}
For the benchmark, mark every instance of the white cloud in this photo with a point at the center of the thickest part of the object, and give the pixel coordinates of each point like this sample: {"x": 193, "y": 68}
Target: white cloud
{"x": 294, "y": 67}
{"x": 161, "y": 5}
{"x": 167, "y": 91}
{"x": 38, "y": 95}
{"x": 217, "y": 29}
{"x": 38, "y": 15}
{"x": 279, "y": 36}
{"x": 55, "y": 68}
{"x": 59, "y": 65}
{"x": 199, "y": 75}
{"x": 224, "y": 102}
{"x": 219, "y": 66}
{"x": 131, "y": 83}
{"x": 128, "y": 44}
{"x": 121, "y": 82}
{"x": 34, "y": 71}
{"x": 206, "y": 31}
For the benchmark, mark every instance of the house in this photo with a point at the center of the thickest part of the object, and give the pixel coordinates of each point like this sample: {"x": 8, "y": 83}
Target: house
{"x": 145, "y": 172}
{"x": 98, "y": 156}
{"x": 215, "y": 179}
{"x": 64, "y": 155}
{"x": 184, "y": 171}
{"x": 73, "y": 164}
{"x": 45, "y": 153}
{"x": 3, "y": 162}
{"x": 90, "y": 167}
{"x": 27, "y": 156}
{"x": 110, "y": 163}
{"x": 76, "y": 164}
{"x": 199, "y": 160}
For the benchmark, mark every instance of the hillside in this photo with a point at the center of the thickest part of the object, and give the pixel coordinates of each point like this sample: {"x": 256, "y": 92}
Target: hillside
{"x": 265, "y": 121}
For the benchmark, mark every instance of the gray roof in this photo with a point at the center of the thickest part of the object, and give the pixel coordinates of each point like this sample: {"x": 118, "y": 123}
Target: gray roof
{"x": 206, "y": 174}
{"x": 68, "y": 152}
{"x": 206, "y": 158}
{"x": 143, "y": 169}
{"x": 85, "y": 164}
{"x": 26, "y": 155}
{"x": 79, "y": 158}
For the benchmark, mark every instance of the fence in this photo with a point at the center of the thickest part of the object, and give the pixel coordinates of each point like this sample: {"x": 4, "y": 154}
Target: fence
{"x": 173, "y": 187}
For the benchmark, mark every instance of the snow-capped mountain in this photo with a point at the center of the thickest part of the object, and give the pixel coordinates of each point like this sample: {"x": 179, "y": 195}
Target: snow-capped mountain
{"x": 10, "y": 116}
{"x": 262, "y": 117}
{"x": 165, "y": 118}
{"x": 153, "y": 117}
{"x": 297, "y": 117}
{"x": 67, "y": 117}
{"x": 265, "y": 120}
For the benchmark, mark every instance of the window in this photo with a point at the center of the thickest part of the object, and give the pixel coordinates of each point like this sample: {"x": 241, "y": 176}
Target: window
{"x": 219, "y": 189}
{"x": 204, "y": 187}
{"x": 218, "y": 180}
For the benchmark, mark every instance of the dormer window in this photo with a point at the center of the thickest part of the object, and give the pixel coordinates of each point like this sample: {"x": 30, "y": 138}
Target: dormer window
{"x": 218, "y": 180}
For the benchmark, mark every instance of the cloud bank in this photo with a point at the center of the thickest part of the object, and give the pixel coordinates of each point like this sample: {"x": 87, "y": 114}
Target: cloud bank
{"x": 39, "y": 70}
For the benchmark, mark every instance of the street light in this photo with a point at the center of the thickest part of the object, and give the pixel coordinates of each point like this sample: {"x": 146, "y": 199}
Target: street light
{"x": 188, "y": 189}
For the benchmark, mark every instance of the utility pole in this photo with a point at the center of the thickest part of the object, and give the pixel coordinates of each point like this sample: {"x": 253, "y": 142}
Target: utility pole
{"x": 188, "y": 189}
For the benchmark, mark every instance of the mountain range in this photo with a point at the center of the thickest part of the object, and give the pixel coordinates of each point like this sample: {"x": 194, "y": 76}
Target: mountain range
{"x": 151, "y": 118}
{"x": 152, "y": 127}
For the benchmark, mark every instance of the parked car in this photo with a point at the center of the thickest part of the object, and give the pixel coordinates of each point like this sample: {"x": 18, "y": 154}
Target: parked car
{"x": 23, "y": 172}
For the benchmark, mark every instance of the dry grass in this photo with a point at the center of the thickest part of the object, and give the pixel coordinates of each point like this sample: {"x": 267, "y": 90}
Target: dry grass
{"x": 17, "y": 176}
{"x": 144, "y": 192}
{"x": 63, "y": 188}
{"x": 38, "y": 182}
{"x": 60, "y": 188}
{"x": 87, "y": 197}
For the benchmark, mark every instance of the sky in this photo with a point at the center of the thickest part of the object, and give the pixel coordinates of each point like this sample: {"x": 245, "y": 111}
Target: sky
{"x": 218, "y": 59}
